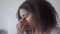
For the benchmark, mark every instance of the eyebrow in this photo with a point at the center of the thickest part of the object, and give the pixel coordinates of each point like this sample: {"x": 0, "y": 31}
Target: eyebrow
{"x": 24, "y": 15}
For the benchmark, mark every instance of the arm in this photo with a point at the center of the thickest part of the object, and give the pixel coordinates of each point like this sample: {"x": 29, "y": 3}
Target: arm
{"x": 20, "y": 26}
{"x": 19, "y": 29}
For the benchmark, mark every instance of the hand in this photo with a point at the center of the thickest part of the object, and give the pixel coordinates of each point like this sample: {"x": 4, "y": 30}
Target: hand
{"x": 20, "y": 26}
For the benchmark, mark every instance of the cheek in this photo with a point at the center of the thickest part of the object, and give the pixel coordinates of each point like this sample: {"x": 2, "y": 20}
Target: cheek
{"x": 31, "y": 21}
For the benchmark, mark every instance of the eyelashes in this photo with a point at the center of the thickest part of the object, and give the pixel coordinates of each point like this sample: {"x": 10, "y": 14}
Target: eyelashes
{"x": 23, "y": 17}
{"x": 26, "y": 16}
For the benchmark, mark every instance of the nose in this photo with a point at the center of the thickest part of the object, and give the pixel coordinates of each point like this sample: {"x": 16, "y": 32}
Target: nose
{"x": 23, "y": 21}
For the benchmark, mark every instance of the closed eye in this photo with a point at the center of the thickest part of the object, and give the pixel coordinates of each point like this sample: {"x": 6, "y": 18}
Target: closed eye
{"x": 24, "y": 16}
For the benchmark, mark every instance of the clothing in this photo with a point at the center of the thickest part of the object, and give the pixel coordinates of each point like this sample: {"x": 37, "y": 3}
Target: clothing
{"x": 55, "y": 30}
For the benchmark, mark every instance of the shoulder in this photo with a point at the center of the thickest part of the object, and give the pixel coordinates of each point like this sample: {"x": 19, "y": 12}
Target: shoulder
{"x": 55, "y": 30}
{"x": 58, "y": 32}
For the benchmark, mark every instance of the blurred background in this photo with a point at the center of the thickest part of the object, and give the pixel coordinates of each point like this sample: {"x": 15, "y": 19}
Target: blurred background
{"x": 8, "y": 10}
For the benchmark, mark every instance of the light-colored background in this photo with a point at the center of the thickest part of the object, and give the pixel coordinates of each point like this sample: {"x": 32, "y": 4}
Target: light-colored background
{"x": 8, "y": 10}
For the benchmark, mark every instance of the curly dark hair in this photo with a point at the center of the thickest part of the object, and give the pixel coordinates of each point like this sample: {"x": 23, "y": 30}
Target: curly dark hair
{"x": 43, "y": 11}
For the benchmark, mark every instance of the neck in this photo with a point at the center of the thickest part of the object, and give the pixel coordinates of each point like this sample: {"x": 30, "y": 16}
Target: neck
{"x": 38, "y": 30}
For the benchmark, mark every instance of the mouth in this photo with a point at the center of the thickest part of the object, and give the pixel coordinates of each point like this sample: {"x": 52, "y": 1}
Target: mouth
{"x": 28, "y": 27}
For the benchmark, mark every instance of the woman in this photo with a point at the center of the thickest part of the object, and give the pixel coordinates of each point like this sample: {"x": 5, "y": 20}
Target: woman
{"x": 37, "y": 17}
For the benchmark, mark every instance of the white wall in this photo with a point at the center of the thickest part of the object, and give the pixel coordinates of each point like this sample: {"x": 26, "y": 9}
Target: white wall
{"x": 8, "y": 9}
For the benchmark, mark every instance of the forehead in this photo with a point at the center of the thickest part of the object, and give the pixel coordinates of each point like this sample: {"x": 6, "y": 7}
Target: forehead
{"x": 24, "y": 12}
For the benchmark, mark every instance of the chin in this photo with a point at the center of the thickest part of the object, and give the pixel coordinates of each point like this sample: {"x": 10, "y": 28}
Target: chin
{"x": 28, "y": 28}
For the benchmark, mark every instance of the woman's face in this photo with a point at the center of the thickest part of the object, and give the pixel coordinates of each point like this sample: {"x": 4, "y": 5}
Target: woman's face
{"x": 29, "y": 17}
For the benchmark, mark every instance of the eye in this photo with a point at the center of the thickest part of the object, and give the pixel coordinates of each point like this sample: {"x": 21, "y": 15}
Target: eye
{"x": 26, "y": 15}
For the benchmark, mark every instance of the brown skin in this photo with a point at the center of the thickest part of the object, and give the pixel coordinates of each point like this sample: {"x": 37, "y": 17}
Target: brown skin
{"x": 27, "y": 18}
